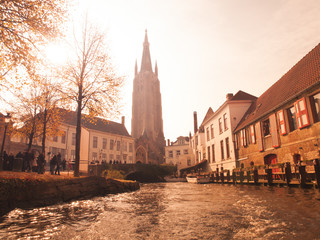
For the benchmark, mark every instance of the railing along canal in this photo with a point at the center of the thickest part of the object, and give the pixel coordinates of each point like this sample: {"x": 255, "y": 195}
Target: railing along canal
{"x": 305, "y": 174}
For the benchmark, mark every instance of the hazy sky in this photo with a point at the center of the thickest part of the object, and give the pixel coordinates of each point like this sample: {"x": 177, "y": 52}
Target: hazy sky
{"x": 206, "y": 48}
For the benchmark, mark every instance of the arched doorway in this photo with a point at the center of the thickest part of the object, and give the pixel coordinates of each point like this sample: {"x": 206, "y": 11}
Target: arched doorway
{"x": 141, "y": 154}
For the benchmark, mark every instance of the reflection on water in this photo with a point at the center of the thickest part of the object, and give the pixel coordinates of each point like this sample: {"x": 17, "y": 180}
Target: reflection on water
{"x": 176, "y": 211}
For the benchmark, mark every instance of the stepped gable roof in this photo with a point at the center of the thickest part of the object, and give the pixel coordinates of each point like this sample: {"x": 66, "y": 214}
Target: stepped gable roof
{"x": 95, "y": 123}
{"x": 303, "y": 75}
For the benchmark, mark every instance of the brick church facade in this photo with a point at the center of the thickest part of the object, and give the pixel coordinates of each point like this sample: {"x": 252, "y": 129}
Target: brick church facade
{"x": 147, "y": 123}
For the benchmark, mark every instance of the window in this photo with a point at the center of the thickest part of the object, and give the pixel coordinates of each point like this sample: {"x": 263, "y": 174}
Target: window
{"x": 73, "y": 155}
{"x": 213, "y": 153}
{"x": 209, "y": 160}
{"x": 282, "y": 125}
{"x": 104, "y": 143}
{"x": 124, "y": 146}
{"x": 118, "y": 145}
{"x": 55, "y": 138}
{"x": 243, "y": 137}
{"x": 220, "y": 126}
{"x": 118, "y": 158}
{"x": 94, "y": 156}
{"x": 292, "y": 118}
{"x": 95, "y": 142}
{"x": 301, "y": 113}
{"x": 111, "y": 144}
{"x": 222, "y": 150}
{"x": 124, "y": 158}
{"x": 189, "y": 162}
{"x": 130, "y": 159}
{"x": 266, "y": 128}
{"x": 130, "y": 147}
{"x": 208, "y": 136}
{"x": 63, "y": 154}
{"x": 196, "y": 140}
{"x": 63, "y": 137}
{"x": 252, "y": 135}
{"x": 315, "y": 105}
{"x": 185, "y": 151}
{"x": 54, "y": 150}
{"x": 73, "y": 141}
{"x": 111, "y": 157}
{"x": 211, "y": 129}
{"x": 104, "y": 157}
{"x": 170, "y": 154}
{"x": 227, "y": 148}
{"x": 178, "y": 152}
{"x": 259, "y": 136}
{"x": 225, "y": 122}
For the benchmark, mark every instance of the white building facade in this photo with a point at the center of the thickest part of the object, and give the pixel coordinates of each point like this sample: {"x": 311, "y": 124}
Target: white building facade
{"x": 215, "y": 134}
{"x": 101, "y": 141}
{"x": 179, "y": 153}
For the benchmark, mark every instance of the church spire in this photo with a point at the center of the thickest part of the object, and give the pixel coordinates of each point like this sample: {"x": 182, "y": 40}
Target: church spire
{"x": 136, "y": 68}
{"x": 146, "y": 59}
{"x": 156, "y": 69}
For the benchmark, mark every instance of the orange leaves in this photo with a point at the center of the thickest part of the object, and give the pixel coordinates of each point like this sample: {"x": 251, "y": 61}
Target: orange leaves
{"x": 24, "y": 25}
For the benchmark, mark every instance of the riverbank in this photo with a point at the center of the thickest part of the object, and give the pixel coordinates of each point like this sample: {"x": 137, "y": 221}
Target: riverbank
{"x": 30, "y": 190}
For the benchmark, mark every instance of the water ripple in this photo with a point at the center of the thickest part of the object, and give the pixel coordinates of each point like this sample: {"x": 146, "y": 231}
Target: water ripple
{"x": 175, "y": 211}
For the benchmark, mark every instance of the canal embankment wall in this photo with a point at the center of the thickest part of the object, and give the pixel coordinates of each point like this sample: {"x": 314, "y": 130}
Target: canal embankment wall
{"x": 21, "y": 193}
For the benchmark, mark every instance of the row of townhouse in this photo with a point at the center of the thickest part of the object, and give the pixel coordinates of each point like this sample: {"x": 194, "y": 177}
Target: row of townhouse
{"x": 213, "y": 140}
{"x": 179, "y": 153}
{"x": 101, "y": 141}
{"x": 282, "y": 125}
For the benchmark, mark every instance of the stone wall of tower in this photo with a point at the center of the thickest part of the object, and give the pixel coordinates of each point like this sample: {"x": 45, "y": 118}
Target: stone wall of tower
{"x": 146, "y": 101}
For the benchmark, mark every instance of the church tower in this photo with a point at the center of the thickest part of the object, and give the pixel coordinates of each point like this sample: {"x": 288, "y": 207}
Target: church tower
{"x": 147, "y": 123}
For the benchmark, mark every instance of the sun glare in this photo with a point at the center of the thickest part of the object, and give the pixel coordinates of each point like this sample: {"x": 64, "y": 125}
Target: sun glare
{"x": 56, "y": 54}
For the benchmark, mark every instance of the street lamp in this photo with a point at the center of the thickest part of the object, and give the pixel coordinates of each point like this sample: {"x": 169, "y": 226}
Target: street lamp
{"x": 6, "y": 120}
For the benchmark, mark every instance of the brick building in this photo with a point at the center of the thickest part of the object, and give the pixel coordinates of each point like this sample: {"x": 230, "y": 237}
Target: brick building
{"x": 283, "y": 124}
{"x": 147, "y": 123}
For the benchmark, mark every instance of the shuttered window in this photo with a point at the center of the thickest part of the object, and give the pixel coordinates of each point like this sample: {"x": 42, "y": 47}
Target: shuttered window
{"x": 273, "y": 130}
{"x": 259, "y": 136}
{"x": 252, "y": 135}
{"x": 282, "y": 125}
{"x": 302, "y": 113}
{"x": 243, "y": 139}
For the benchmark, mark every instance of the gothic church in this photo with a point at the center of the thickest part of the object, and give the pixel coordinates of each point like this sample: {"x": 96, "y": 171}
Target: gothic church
{"x": 147, "y": 123}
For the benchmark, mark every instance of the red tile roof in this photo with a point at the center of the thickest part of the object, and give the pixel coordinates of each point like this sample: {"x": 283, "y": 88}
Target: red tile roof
{"x": 303, "y": 75}
{"x": 96, "y": 123}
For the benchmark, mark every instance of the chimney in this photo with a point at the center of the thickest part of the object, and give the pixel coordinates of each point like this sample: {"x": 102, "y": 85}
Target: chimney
{"x": 229, "y": 96}
{"x": 195, "y": 121}
{"x": 168, "y": 140}
{"x": 123, "y": 120}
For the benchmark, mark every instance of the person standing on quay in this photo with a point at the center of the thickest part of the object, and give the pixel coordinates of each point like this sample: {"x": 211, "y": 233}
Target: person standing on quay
{"x": 58, "y": 164}
{"x": 41, "y": 161}
{"x": 53, "y": 163}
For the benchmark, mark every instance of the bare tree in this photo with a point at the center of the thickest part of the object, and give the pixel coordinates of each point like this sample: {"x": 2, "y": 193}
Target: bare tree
{"x": 90, "y": 81}
{"x": 49, "y": 115}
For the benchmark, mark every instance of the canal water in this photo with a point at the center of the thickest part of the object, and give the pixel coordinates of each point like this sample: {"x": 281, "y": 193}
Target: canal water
{"x": 176, "y": 211}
